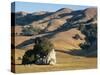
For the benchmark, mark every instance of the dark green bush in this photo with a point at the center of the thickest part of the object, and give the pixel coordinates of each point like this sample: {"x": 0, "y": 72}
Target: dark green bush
{"x": 28, "y": 57}
{"x": 77, "y": 36}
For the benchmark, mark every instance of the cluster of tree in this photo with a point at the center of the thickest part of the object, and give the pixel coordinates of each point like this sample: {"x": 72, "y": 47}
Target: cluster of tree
{"x": 90, "y": 32}
{"x": 30, "y": 30}
{"x": 40, "y": 52}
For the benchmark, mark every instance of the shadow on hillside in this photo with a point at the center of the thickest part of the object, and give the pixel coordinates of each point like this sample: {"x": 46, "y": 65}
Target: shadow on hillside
{"x": 25, "y": 43}
{"x": 62, "y": 28}
{"x": 27, "y": 19}
{"x": 83, "y": 53}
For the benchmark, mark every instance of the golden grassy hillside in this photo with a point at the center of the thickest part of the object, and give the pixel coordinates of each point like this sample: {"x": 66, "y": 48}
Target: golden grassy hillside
{"x": 64, "y": 40}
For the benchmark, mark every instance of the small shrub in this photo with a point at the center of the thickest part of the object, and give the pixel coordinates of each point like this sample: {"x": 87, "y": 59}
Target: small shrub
{"x": 77, "y": 36}
{"x": 28, "y": 57}
{"x": 19, "y": 58}
{"x": 85, "y": 46}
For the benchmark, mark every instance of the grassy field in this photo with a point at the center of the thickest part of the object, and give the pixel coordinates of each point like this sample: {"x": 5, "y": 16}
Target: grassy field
{"x": 64, "y": 62}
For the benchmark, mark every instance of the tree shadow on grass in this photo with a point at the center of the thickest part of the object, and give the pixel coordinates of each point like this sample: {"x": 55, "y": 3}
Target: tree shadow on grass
{"x": 79, "y": 52}
{"x": 25, "y": 43}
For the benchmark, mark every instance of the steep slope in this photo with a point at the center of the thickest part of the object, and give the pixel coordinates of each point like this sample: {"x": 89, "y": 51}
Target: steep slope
{"x": 55, "y": 24}
{"x": 90, "y": 13}
{"x": 65, "y": 41}
{"x": 65, "y": 22}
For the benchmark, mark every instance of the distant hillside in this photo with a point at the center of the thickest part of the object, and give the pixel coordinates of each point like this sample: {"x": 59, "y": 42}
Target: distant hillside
{"x": 70, "y": 28}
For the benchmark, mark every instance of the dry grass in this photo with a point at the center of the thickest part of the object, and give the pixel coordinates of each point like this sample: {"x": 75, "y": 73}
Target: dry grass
{"x": 64, "y": 62}
{"x": 64, "y": 40}
{"x": 61, "y": 41}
